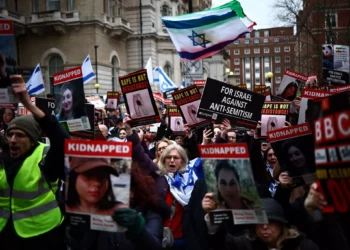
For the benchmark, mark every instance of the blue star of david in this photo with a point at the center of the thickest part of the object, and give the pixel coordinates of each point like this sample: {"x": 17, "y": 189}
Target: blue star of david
{"x": 196, "y": 42}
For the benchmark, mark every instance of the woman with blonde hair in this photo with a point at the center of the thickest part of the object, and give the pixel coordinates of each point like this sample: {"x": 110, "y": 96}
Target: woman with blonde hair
{"x": 160, "y": 147}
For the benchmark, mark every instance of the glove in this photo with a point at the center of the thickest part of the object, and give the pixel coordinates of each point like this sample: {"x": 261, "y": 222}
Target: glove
{"x": 130, "y": 219}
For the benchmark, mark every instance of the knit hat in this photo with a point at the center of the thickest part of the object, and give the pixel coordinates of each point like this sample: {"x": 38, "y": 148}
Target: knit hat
{"x": 274, "y": 211}
{"x": 83, "y": 164}
{"x": 28, "y": 125}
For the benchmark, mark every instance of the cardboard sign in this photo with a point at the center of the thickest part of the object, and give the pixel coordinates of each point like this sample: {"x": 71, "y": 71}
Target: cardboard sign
{"x": 332, "y": 151}
{"x": 221, "y": 100}
{"x": 175, "y": 122}
{"x": 263, "y": 90}
{"x": 228, "y": 174}
{"x": 291, "y": 85}
{"x": 70, "y": 99}
{"x": 273, "y": 116}
{"x": 188, "y": 100}
{"x": 112, "y": 101}
{"x": 139, "y": 100}
{"x": 100, "y": 172}
{"x": 96, "y": 101}
{"x": 294, "y": 149}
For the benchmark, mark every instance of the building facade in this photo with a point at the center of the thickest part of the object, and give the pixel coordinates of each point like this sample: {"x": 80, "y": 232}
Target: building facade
{"x": 254, "y": 55}
{"x": 119, "y": 36}
{"x": 326, "y": 22}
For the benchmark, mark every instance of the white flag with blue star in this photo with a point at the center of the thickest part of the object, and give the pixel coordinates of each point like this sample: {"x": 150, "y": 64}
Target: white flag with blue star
{"x": 35, "y": 84}
{"x": 202, "y": 34}
{"x": 161, "y": 78}
{"x": 88, "y": 72}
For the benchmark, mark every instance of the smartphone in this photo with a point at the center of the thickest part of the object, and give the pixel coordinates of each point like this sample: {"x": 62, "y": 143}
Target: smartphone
{"x": 211, "y": 128}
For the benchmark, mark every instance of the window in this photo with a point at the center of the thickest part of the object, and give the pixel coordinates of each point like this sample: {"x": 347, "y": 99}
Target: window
{"x": 228, "y": 52}
{"x": 287, "y": 49}
{"x": 238, "y": 80}
{"x": 256, "y": 34}
{"x": 257, "y": 69}
{"x": 266, "y": 33}
{"x": 247, "y": 51}
{"x": 278, "y": 70}
{"x": 167, "y": 70}
{"x": 236, "y": 61}
{"x": 110, "y": 11}
{"x": 55, "y": 66}
{"x": 331, "y": 19}
{"x": 35, "y": 6}
{"x": 277, "y": 59}
{"x": 256, "y": 40}
{"x": 2, "y": 3}
{"x": 277, "y": 49}
{"x": 256, "y": 50}
{"x": 166, "y": 11}
{"x": 266, "y": 50}
{"x": 53, "y": 5}
{"x": 246, "y": 41}
{"x": 286, "y": 38}
{"x": 114, "y": 72}
{"x": 236, "y": 52}
{"x": 257, "y": 80}
{"x": 247, "y": 81}
{"x": 236, "y": 71}
{"x": 179, "y": 10}
{"x": 247, "y": 60}
{"x": 236, "y": 42}
{"x": 278, "y": 79}
{"x": 266, "y": 40}
{"x": 287, "y": 59}
{"x": 247, "y": 71}
{"x": 276, "y": 39}
{"x": 247, "y": 35}
{"x": 287, "y": 68}
{"x": 70, "y": 6}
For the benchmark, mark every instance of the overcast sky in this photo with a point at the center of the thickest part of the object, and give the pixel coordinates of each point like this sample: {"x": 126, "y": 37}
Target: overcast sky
{"x": 261, "y": 12}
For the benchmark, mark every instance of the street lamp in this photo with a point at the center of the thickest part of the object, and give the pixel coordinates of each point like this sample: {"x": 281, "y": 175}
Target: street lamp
{"x": 97, "y": 85}
{"x": 269, "y": 76}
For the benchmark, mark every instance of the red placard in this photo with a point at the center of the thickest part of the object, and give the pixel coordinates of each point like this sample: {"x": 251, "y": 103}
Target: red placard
{"x": 296, "y": 75}
{"x": 224, "y": 151}
{"x": 67, "y": 75}
{"x": 310, "y": 93}
{"x": 98, "y": 149}
{"x": 6, "y": 27}
{"x": 289, "y": 132}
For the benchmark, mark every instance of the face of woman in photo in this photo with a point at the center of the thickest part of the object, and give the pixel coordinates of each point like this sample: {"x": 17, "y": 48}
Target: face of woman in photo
{"x": 296, "y": 157}
{"x": 7, "y": 116}
{"x": 290, "y": 91}
{"x": 173, "y": 161}
{"x": 67, "y": 102}
{"x": 92, "y": 185}
{"x": 161, "y": 146}
{"x": 228, "y": 185}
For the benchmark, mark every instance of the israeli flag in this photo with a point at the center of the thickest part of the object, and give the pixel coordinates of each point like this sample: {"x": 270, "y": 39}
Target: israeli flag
{"x": 88, "y": 73}
{"x": 149, "y": 70}
{"x": 161, "y": 78}
{"x": 35, "y": 84}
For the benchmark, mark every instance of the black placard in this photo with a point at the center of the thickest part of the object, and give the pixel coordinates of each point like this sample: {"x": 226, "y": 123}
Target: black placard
{"x": 221, "y": 100}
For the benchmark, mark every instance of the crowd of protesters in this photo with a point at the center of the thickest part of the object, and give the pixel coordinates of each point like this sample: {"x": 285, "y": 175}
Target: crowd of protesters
{"x": 160, "y": 216}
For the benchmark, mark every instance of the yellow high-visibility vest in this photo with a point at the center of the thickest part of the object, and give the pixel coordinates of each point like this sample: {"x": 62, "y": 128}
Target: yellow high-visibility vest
{"x": 31, "y": 202}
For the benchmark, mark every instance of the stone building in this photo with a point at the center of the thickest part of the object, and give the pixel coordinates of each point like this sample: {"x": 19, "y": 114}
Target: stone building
{"x": 59, "y": 34}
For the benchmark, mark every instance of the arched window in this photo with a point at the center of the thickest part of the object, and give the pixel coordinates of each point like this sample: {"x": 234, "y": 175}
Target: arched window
{"x": 168, "y": 71}
{"x": 166, "y": 11}
{"x": 55, "y": 66}
{"x": 115, "y": 65}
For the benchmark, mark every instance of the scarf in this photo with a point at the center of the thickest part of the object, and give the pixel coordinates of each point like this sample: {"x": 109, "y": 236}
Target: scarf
{"x": 181, "y": 185}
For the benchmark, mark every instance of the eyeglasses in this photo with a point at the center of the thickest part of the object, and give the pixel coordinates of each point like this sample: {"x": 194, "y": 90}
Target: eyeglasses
{"x": 161, "y": 149}
{"x": 169, "y": 157}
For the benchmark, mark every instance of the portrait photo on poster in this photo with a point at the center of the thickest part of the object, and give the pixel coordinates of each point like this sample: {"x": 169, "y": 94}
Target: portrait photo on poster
{"x": 189, "y": 111}
{"x": 97, "y": 185}
{"x": 176, "y": 124}
{"x": 296, "y": 155}
{"x": 288, "y": 88}
{"x": 70, "y": 100}
{"x": 231, "y": 180}
{"x": 140, "y": 104}
{"x": 271, "y": 122}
